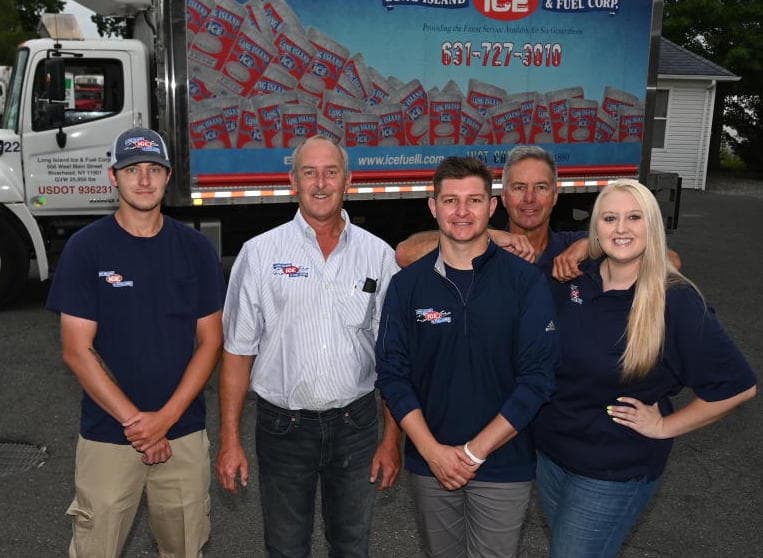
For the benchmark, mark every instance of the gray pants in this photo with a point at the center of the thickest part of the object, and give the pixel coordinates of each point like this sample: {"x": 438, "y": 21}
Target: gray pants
{"x": 481, "y": 519}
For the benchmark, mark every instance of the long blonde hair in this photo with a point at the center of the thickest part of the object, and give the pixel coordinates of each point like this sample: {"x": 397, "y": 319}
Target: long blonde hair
{"x": 645, "y": 332}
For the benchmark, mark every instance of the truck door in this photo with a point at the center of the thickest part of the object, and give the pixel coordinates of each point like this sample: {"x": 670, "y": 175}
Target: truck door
{"x": 65, "y": 166}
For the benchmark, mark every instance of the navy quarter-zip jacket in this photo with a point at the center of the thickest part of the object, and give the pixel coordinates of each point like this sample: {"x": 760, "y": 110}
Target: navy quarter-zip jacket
{"x": 462, "y": 359}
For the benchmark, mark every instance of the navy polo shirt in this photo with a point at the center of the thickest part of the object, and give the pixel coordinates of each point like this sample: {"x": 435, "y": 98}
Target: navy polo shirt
{"x": 146, "y": 295}
{"x": 574, "y": 429}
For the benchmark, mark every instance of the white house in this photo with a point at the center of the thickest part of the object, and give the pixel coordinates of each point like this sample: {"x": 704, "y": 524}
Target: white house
{"x": 686, "y": 85}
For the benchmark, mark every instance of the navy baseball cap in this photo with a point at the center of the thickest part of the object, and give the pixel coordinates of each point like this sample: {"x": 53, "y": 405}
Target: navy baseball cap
{"x": 139, "y": 145}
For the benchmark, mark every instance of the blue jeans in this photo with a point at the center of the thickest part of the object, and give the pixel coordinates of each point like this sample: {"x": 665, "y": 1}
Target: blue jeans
{"x": 589, "y": 518}
{"x": 295, "y": 449}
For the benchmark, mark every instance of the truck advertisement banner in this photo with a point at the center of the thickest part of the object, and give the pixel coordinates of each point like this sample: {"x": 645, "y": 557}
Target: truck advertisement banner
{"x": 403, "y": 83}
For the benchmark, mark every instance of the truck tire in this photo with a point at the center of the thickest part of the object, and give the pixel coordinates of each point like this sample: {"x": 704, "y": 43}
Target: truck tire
{"x": 14, "y": 263}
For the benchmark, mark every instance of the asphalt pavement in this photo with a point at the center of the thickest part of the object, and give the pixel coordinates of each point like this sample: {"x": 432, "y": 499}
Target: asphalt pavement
{"x": 709, "y": 503}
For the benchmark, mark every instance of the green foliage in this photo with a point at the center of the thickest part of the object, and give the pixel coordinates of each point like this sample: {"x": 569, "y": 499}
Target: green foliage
{"x": 11, "y": 34}
{"x": 20, "y": 19}
{"x": 744, "y": 115}
{"x": 29, "y": 12}
{"x": 110, "y": 26}
{"x": 731, "y": 162}
{"x": 729, "y": 33}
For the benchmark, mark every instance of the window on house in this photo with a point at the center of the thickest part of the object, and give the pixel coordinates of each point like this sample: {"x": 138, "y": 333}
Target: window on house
{"x": 660, "y": 119}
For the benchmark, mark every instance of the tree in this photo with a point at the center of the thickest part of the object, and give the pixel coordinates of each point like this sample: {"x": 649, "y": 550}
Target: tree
{"x": 20, "y": 20}
{"x": 111, "y": 26}
{"x": 745, "y": 117}
{"x": 10, "y": 35}
{"x": 29, "y": 12}
{"x": 729, "y": 33}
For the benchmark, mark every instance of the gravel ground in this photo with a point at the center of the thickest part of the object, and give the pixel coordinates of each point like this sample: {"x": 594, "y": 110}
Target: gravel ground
{"x": 722, "y": 183}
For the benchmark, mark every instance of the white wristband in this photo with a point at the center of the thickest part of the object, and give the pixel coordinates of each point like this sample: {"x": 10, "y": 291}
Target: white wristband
{"x": 471, "y": 456}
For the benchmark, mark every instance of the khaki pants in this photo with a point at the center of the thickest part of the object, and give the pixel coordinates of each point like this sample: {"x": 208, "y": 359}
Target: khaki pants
{"x": 109, "y": 482}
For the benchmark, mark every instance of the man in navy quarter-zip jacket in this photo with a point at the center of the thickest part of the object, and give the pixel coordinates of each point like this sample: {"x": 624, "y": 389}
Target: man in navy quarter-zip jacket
{"x": 465, "y": 356}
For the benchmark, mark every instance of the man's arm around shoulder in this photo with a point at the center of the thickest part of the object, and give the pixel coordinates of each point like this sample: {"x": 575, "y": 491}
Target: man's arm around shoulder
{"x": 420, "y": 244}
{"x": 566, "y": 264}
{"x": 416, "y": 246}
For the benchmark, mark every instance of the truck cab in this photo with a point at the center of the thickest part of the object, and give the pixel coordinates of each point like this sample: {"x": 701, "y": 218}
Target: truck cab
{"x": 54, "y": 143}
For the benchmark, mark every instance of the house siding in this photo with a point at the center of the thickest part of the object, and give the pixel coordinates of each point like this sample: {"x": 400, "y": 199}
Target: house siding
{"x": 687, "y": 134}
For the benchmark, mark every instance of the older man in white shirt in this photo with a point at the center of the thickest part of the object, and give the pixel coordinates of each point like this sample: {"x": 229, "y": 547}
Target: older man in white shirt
{"x": 300, "y": 321}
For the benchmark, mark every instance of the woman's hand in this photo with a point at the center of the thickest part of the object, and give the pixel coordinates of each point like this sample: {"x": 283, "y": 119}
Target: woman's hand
{"x": 644, "y": 419}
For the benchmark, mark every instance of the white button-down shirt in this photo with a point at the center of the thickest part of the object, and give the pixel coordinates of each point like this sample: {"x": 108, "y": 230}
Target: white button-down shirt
{"x": 311, "y": 322}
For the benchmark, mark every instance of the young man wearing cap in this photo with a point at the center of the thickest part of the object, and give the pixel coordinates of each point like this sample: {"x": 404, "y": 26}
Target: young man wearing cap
{"x": 140, "y": 298}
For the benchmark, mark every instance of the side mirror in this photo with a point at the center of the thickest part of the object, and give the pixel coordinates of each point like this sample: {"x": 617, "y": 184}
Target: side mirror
{"x": 53, "y": 114}
{"x": 50, "y": 106}
{"x": 55, "y": 80}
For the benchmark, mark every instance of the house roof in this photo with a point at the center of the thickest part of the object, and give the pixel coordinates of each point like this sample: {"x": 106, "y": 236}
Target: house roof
{"x": 677, "y": 62}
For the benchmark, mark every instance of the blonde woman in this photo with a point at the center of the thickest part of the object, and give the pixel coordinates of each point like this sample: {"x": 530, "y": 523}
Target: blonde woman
{"x": 634, "y": 332}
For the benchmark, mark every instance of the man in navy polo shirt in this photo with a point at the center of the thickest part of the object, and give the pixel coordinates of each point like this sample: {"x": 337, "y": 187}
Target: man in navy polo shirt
{"x": 140, "y": 298}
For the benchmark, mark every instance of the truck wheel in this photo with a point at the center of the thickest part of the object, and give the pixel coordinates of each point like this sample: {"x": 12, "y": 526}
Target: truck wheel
{"x": 14, "y": 263}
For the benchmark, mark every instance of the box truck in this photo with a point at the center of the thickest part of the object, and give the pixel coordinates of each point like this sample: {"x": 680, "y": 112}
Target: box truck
{"x": 234, "y": 85}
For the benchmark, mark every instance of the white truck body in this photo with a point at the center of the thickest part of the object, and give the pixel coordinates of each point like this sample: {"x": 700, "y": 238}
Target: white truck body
{"x": 53, "y": 159}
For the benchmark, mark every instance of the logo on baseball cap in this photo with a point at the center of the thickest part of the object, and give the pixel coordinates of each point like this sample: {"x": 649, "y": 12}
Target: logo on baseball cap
{"x": 139, "y": 145}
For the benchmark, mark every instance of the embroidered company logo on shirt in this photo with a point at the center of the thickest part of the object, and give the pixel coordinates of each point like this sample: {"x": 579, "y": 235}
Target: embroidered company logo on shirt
{"x": 290, "y": 270}
{"x": 575, "y": 294}
{"x": 551, "y": 326}
{"x": 432, "y": 316}
{"x": 114, "y": 279}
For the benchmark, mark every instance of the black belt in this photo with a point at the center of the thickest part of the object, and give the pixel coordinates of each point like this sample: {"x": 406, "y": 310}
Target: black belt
{"x": 319, "y": 415}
